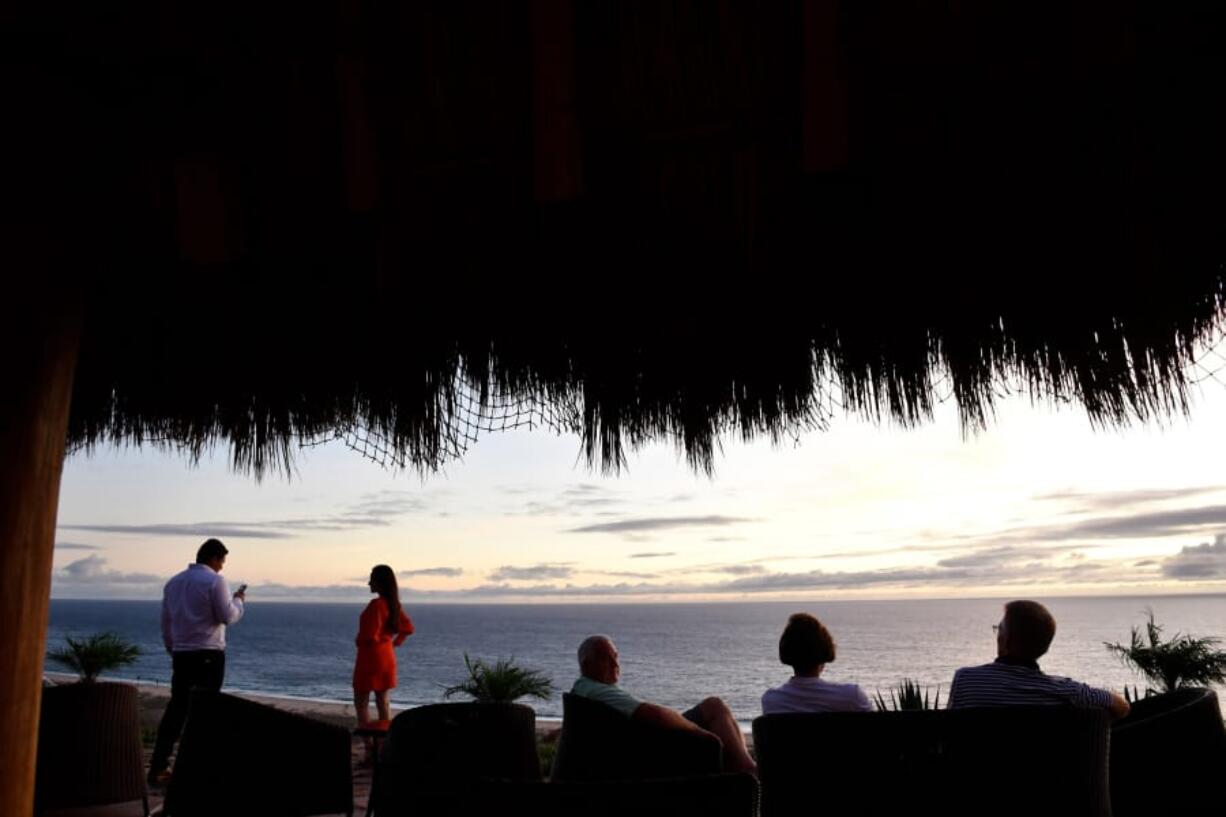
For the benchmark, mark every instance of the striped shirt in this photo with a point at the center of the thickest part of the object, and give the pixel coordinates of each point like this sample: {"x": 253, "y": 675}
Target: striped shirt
{"x": 1012, "y": 683}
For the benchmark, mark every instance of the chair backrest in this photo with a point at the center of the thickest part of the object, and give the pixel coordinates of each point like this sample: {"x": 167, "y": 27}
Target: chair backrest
{"x": 1168, "y": 755}
{"x": 464, "y": 741}
{"x": 1054, "y": 759}
{"x": 720, "y": 795}
{"x": 848, "y": 763}
{"x": 89, "y": 748}
{"x": 440, "y": 749}
{"x": 240, "y": 757}
{"x": 948, "y": 761}
{"x": 599, "y": 743}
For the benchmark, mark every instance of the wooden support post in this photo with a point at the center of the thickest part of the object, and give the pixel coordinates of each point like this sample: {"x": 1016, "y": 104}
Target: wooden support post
{"x": 38, "y": 353}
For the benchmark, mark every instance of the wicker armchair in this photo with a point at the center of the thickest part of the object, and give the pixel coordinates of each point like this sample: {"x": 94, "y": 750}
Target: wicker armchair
{"x": 719, "y": 795}
{"x": 1168, "y": 756}
{"x": 89, "y": 749}
{"x": 238, "y": 757}
{"x": 598, "y": 743}
{"x": 1017, "y": 760}
{"x": 440, "y": 749}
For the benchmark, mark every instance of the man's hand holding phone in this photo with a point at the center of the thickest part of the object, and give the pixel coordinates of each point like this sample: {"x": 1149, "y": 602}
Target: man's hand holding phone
{"x": 241, "y": 592}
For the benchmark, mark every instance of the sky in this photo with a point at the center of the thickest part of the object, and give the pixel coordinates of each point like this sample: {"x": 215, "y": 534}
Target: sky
{"x": 1039, "y": 504}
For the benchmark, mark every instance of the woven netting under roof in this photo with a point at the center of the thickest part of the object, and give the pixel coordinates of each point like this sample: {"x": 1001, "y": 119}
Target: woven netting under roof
{"x": 684, "y": 220}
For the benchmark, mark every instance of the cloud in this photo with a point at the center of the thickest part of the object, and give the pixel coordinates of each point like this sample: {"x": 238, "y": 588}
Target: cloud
{"x": 575, "y": 499}
{"x": 741, "y": 570}
{"x": 1004, "y": 555}
{"x": 226, "y": 530}
{"x": 75, "y": 546}
{"x": 372, "y": 511}
{"x": 328, "y": 592}
{"x": 815, "y": 580}
{"x": 661, "y": 523}
{"x": 91, "y": 578}
{"x": 93, "y": 569}
{"x": 1000, "y": 568}
{"x": 656, "y": 555}
{"x": 531, "y": 573}
{"x": 432, "y": 571}
{"x": 1125, "y": 499}
{"x": 750, "y": 579}
{"x": 1149, "y": 525}
{"x": 1145, "y": 525}
{"x": 821, "y": 580}
{"x": 624, "y": 574}
{"x": 586, "y": 495}
{"x": 1207, "y": 561}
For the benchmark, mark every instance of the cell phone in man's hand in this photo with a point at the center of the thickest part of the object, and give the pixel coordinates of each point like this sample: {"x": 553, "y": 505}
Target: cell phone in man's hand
{"x": 242, "y": 588}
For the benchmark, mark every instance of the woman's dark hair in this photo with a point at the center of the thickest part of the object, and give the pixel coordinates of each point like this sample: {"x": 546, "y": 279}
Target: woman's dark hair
{"x": 384, "y": 580}
{"x": 805, "y": 644}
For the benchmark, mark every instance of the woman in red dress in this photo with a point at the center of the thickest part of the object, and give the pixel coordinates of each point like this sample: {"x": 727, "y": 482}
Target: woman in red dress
{"x": 383, "y": 625}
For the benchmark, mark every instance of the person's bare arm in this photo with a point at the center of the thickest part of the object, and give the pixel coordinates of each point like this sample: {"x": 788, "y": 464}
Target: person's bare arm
{"x": 1119, "y": 706}
{"x": 664, "y": 717}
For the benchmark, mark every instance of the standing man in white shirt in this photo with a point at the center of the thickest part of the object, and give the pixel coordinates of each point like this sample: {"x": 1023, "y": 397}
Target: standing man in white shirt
{"x": 196, "y": 607}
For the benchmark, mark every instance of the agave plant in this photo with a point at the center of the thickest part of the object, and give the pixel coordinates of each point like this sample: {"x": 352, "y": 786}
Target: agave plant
{"x": 1184, "y": 660}
{"x": 95, "y": 654}
{"x": 909, "y": 696}
{"x": 501, "y": 682}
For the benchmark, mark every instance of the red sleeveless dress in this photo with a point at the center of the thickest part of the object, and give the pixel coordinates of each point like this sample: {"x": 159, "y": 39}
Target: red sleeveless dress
{"x": 375, "y": 669}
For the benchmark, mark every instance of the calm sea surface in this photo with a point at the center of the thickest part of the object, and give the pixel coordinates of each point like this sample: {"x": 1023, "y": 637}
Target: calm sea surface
{"x": 673, "y": 654}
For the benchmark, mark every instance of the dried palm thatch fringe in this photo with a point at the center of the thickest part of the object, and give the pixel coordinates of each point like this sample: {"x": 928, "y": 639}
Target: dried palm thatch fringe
{"x": 632, "y": 393}
{"x": 677, "y": 222}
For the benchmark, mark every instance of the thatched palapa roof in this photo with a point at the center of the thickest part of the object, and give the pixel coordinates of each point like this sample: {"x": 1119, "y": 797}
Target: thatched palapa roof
{"x": 677, "y": 219}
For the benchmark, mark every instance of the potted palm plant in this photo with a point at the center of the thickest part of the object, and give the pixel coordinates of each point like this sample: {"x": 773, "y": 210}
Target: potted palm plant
{"x": 442, "y": 745}
{"x": 1175, "y": 731}
{"x": 91, "y": 656}
{"x": 503, "y": 681}
{"x": 89, "y": 746}
{"x": 1181, "y": 661}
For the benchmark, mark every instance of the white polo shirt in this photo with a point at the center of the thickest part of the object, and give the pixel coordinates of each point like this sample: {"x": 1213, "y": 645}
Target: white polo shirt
{"x": 800, "y": 694}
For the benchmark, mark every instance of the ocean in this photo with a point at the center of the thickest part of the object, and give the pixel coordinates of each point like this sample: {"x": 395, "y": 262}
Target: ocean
{"x": 672, "y": 654}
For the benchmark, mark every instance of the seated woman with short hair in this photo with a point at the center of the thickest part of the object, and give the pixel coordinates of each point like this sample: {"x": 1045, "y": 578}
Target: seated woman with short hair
{"x": 807, "y": 647}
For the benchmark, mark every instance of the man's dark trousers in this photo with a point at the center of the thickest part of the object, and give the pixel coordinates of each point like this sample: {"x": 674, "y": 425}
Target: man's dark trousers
{"x": 192, "y": 669}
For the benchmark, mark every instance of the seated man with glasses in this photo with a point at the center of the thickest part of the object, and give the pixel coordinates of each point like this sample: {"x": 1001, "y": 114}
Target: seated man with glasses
{"x": 1014, "y": 678}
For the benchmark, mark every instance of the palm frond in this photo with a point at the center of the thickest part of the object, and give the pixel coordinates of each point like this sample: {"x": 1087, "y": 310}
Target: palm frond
{"x": 501, "y": 682}
{"x": 1184, "y": 660}
{"x": 91, "y": 656}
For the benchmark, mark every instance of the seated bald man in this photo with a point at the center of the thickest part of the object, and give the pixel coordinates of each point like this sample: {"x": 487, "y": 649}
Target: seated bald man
{"x": 600, "y": 672}
{"x": 1025, "y": 632}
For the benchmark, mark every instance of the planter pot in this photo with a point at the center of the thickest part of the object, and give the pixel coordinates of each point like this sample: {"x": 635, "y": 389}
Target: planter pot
{"x": 1167, "y": 756}
{"x": 89, "y": 750}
